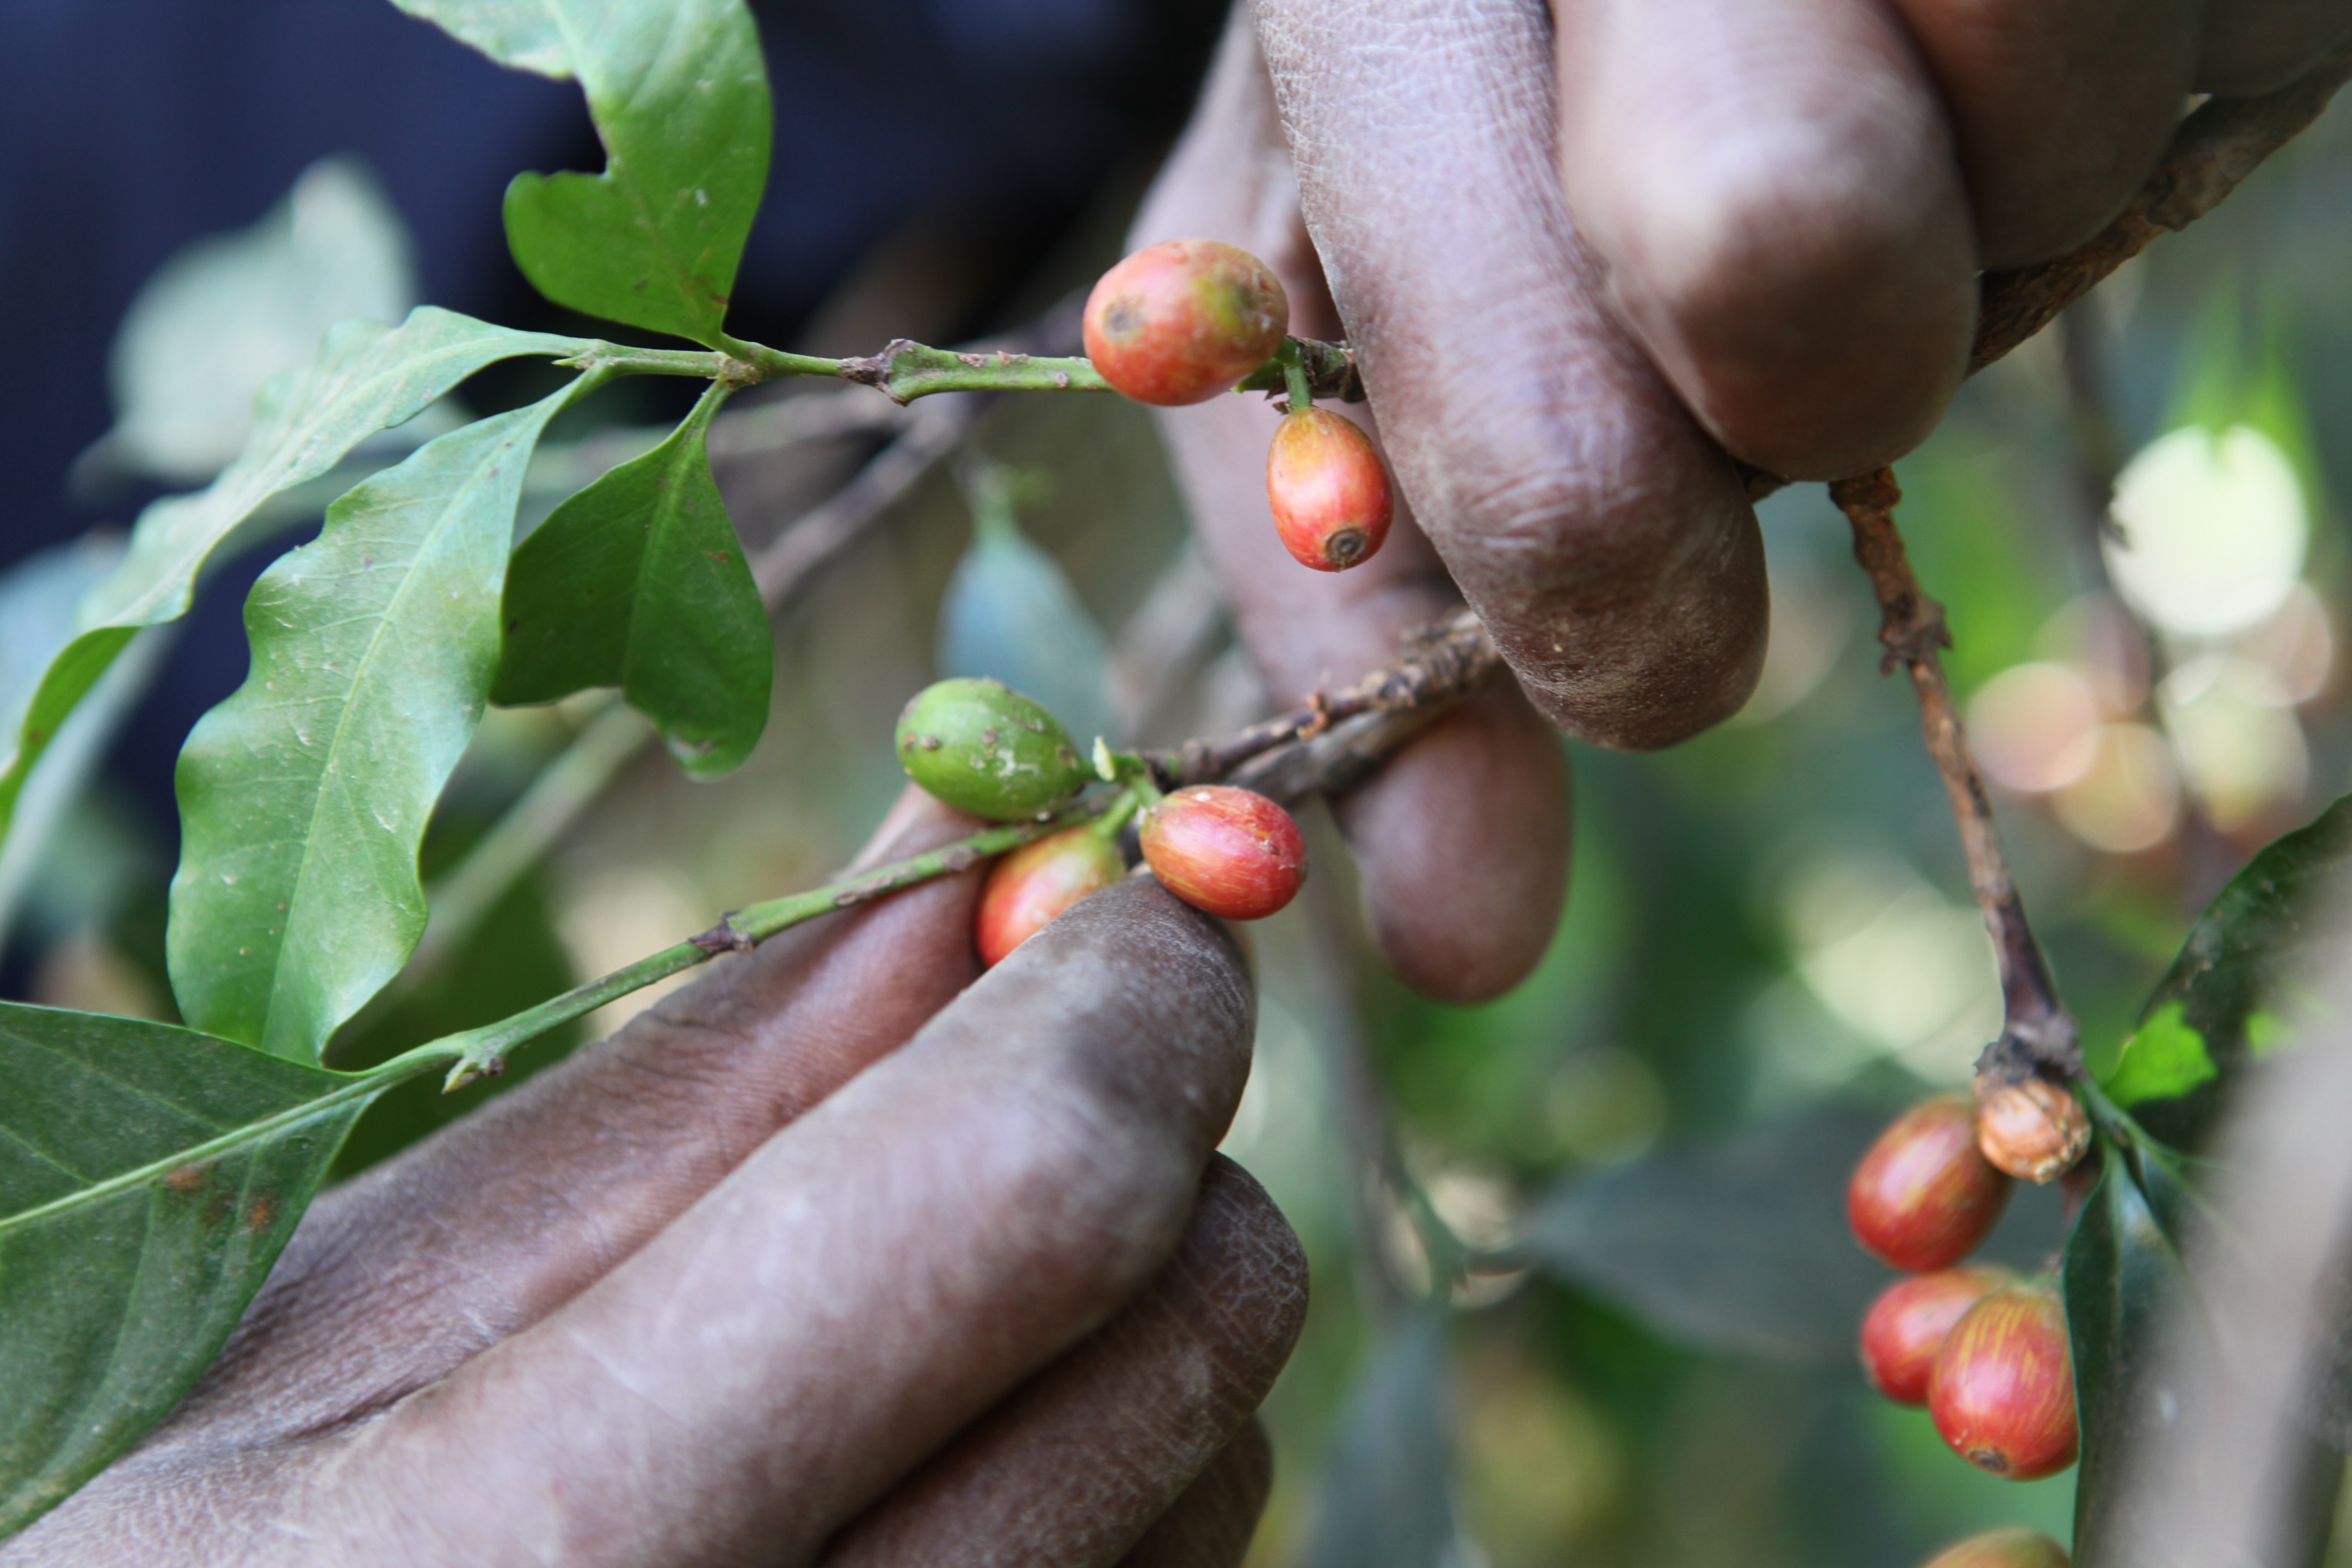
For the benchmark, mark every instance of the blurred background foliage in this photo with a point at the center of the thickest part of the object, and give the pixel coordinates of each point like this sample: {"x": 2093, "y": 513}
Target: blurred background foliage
{"x": 1767, "y": 947}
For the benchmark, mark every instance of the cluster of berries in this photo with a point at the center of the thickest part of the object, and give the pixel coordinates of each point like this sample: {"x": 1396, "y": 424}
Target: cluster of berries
{"x": 1181, "y": 321}
{"x": 981, "y": 747}
{"x": 1983, "y": 1349}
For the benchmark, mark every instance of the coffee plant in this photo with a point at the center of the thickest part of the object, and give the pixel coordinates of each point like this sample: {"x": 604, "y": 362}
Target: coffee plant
{"x": 149, "y": 1174}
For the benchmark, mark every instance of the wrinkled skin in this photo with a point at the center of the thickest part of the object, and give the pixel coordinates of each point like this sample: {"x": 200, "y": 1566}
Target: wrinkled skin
{"x": 837, "y": 1257}
{"x": 830, "y": 1260}
{"x": 1583, "y": 250}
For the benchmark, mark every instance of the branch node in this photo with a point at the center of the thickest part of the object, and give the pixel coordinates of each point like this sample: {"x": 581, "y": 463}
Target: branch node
{"x": 723, "y": 937}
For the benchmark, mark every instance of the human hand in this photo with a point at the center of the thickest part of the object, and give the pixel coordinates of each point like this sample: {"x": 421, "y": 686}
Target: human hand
{"x": 823, "y": 1259}
{"x": 1583, "y": 251}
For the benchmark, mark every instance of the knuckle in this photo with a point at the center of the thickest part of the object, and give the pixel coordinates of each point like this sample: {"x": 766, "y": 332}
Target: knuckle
{"x": 1808, "y": 207}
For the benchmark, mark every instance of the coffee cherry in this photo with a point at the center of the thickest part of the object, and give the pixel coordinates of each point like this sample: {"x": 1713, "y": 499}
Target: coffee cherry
{"x": 1181, "y": 320}
{"x": 1029, "y": 887}
{"x": 1909, "y": 1323}
{"x": 1328, "y": 490}
{"x": 1230, "y": 851}
{"x": 1923, "y": 1197}
{"x": 2003, "y": 1390}
{"x": 983, "y": 748}
{"x": 2035, "y": 1131}
{"x": 2003, "y": 1549}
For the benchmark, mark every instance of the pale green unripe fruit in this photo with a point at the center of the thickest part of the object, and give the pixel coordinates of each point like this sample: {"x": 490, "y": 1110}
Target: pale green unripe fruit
{"x": 983, "y": 748}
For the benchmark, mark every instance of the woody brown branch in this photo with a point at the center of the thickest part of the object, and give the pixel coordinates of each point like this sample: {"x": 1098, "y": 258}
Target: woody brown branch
{"x": 2038, "y": 1034}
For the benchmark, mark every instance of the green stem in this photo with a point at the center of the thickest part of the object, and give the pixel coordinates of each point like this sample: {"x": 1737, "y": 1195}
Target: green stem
{"x": 904, "y": 371}
{"x": 1293, "y": 377}
{"x": 476, "y": 1052}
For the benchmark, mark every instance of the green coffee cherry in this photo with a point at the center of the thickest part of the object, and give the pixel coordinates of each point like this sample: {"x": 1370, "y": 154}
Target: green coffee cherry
{"x": 983, "y": 748}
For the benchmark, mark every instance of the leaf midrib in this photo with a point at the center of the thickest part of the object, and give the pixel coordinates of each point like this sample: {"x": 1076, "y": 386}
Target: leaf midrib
{"x": 365, "y": 1086}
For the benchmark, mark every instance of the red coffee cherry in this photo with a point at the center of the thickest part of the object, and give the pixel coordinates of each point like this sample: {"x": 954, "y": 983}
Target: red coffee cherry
{"x": 1924, "y": 1196}
{"x": 1230, "y": 851}
{"x": 1909, "y": 1323}
{"x": 2003, "y": 1549}
{"x": 1030, "y": 886}
{"x": 1328, "y": 490}
{"x": 2003, "y": 1390}
{"x": 1181, "y": 320}
{"x": 2035, "y": 1131}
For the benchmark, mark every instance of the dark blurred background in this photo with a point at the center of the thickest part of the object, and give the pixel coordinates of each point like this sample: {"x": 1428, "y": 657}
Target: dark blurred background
{"x": 1769, "y": 945}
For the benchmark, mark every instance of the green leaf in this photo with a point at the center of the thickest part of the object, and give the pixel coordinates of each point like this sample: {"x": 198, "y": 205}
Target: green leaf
{"x": 2163, "y": 1059}
{"x": 303, "y": 798}
{"x": 638, "y": 582}
{"x": 679, "y": 94}
{"x": 2121, "y": 1275}
{"x": 2218, "y": 1006}
{"x": 1012, "y": 614}
{"x": 2129, "y": 1302}
{"x": 365, "y": 379}
{"x": 227, "y": 312}
{"x": 1385, "y": 1497}
{"x": 148, "y": 1177}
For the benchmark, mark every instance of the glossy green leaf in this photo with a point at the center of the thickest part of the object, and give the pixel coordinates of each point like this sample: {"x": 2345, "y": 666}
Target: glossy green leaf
{"x": 1012, "y": 614}
{"x": 638, "y": 582}
{"x": 1385, "y": 1497}
{"x": 303, "y": 798}
{"x": 365, "y": 379}
{"x": 2219, "y": 1004}
{"x": 679, "y": 94}
{"x": 227, "y": 312}
{"x": 148, "y": 1177}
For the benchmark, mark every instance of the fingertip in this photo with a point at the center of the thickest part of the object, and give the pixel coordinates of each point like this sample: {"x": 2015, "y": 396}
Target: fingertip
{"x": 1464, "y": 845}
{"x": 1784, "y": 229}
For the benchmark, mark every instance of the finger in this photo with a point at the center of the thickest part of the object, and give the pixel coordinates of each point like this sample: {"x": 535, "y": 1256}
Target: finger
{"x": 2252, "y": 46}
{"x": 1072, "y": 1469}
{"x": 1602, "y": 537}
{"x": 1212, "y": 1523}
{"x": 859, "y": 1290}
{"x": 1462, "y": 903}
{"x": 1772, "y": 189}
{"x": 2060, "y": 107}
{"x": 405, "y": 1273}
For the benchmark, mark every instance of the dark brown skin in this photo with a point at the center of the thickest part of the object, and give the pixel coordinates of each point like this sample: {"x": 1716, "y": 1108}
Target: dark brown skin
{"x": 701, "y": 1297}
{"x": 1755, "y": 228}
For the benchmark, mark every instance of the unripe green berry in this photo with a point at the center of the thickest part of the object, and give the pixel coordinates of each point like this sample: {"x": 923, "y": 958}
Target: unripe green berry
{"x": 983, "y": 748}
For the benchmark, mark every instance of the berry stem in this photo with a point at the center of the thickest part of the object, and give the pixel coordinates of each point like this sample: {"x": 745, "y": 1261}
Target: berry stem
{"x": 1293, "y": 377}
{"x": 481, "y": 1051}
{"x": 2038, "y": 1034}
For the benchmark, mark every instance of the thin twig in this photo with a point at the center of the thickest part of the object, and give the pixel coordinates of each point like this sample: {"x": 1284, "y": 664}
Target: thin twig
{"x": 1439, "y": 666}
{"x": 934, "y": 430}
{"x": 1911, "y": 628}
